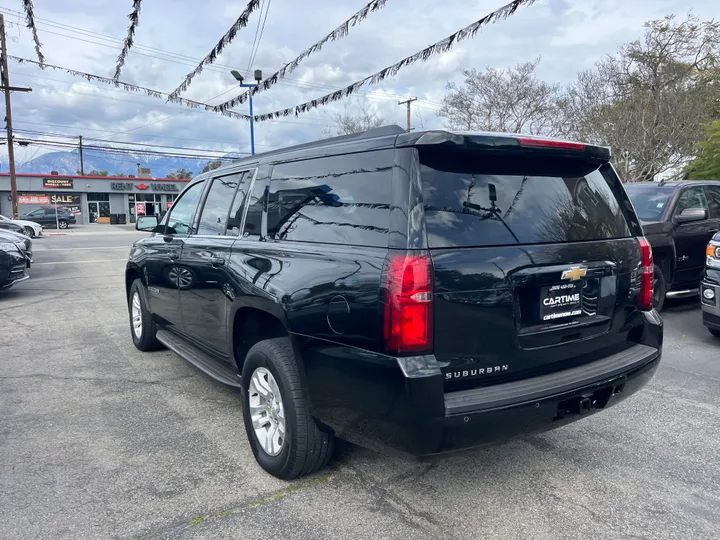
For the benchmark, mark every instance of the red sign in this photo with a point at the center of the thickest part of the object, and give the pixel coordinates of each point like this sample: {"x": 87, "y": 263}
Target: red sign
{"x": 140, "y": 207}
{"x": 142, "y": 186}
{"x": 169, "y": 204}
{"x": 33, "y": 199}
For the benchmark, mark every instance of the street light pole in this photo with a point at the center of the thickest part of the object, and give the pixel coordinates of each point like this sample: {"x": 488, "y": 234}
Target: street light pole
{"x": 258, "y": 78}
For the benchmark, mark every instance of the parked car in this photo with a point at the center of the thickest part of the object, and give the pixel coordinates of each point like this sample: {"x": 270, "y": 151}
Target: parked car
{"x": 9, "y": 226}
{"x": 710, "y": 287}
{"x": 20, "y": 240}
{"x": 679, "y": 219}
{"x": 13, "y": 264}
{"x": 427, "y": 291}
{"x": 29, "y": 228}
{"x": 51, "y": 217}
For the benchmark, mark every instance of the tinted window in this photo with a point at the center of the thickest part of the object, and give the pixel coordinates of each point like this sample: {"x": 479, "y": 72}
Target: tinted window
{"x": 649, "y": 201}
{"x": 179, "y": 220}
{"x": 238, "y": 205}
{"x": 337, "y": 200}
{"x": 489, "y": 201}
{"x": 693, "y": 197}
{"x": 713, "y": 198}
{"x": 217, "y": 204}
{"x": 253, "y": 219}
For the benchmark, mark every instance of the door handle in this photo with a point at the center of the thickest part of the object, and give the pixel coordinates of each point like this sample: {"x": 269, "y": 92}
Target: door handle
{"x": 216, "y": 260}
{"x": 173, "y": 255}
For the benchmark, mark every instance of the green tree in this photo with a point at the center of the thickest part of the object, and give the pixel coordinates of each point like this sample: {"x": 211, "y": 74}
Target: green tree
{"x": 212, "y": 165}
{"x": 706, "y": 165}
{"x": 94, "y": 172}
{"x": 180, "y": 173}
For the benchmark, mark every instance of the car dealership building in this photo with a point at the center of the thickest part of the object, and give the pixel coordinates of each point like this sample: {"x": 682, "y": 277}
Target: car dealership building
{"x": 91, "y": 198}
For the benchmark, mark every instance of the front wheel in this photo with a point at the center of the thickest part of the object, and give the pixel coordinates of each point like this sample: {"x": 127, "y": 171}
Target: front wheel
{"x": 286, "y": 440}
{"x": 142, "y": 328}
{"x": 63, "y": 224}
{"x": 29, "y": 231}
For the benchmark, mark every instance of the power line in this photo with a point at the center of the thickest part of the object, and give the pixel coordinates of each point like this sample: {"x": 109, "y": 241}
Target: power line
{"x": 262, "y": 31}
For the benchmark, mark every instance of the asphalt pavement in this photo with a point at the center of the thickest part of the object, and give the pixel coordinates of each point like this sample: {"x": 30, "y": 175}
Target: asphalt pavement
{"x": 99, "y": 440}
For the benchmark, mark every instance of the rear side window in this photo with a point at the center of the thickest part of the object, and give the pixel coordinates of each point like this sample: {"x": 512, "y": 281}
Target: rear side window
{"x": 336, "y": 200}
{"x": 480, "y": 200}
{"x": 213, "y": 219}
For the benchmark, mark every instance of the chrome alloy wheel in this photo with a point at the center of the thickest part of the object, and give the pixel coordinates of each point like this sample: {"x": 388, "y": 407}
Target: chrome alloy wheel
{"x": 266, "y": 411}
{"x": 136, "y": 310}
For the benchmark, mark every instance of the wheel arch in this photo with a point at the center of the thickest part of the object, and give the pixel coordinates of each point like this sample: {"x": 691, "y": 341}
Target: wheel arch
{"x": 132, "y": 273}
{"x": 253, "y": 321}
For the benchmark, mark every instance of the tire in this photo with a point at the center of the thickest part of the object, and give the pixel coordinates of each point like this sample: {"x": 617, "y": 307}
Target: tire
{"x": 29, "y": 231}
{"x": 714, "y": 332}
{"x": 659, "y": 289}
{"x": 143, "y": 336}
{"x": 305, "y": 447}
{"x": 62, "y": 224}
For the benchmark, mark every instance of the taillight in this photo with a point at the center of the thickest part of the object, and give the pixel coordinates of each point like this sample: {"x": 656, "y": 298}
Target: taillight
{"x": 550, "y": 143}
{"x": 645, "y": 298}
{"x": 409, "y": 305}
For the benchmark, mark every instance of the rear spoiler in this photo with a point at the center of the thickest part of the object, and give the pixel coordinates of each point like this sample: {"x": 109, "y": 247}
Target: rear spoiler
{"x": 498, "y": 142}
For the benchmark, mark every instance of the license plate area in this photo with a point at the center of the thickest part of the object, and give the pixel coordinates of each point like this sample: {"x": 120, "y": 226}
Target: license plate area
{"x": 561, "y": 302}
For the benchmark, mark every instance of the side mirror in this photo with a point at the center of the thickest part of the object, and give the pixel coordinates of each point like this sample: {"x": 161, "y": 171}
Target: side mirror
{"x": 691, "y": 214}
{"x": 146, "y": 223}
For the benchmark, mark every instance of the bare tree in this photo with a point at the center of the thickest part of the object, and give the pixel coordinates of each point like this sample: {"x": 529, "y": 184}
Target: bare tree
{"x": 347, "y": 123}
{"x": 505, "y": 100}
{"x": 649, "y": 101}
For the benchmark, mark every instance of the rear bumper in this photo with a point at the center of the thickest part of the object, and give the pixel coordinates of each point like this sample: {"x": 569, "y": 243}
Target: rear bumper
{"x": 486, "y": 415}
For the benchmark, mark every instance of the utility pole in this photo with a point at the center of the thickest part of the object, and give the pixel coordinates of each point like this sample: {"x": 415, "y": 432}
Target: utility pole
{"x": 82, "y": 164}
{"x": 6, "y": 88}
{"x": 408, "y": 102}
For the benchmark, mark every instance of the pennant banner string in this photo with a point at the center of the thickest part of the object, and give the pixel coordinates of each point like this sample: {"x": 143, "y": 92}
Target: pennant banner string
{"x": 30, "y": 20}
{"x": 241, "y": 22}
{"x": 440, "y": 47}
{"x": 339, "y": 33}
{"x": 128, "y": 87}
{"x": 134, "y": 19}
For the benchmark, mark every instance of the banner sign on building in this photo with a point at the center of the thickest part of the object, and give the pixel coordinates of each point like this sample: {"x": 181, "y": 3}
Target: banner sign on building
{"x": 33, "y": 199}
{"x": 57, "y": 183}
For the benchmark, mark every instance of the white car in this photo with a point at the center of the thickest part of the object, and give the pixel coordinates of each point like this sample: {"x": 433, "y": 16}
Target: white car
{"x": 30, "y": 228}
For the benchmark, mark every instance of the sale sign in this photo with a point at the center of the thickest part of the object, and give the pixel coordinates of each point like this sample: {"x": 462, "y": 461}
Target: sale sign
{"x": 33, "y": 199}
{"x": 140, "y": 208}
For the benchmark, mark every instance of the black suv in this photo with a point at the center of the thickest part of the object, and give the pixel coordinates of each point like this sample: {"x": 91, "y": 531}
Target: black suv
{"x": 425, "y": 291}
{"x": 51, "y": 217}
{"x": 679, "y": 219}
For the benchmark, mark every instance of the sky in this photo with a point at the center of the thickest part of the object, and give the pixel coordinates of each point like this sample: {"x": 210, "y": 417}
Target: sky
{"x": 173, "y": 35}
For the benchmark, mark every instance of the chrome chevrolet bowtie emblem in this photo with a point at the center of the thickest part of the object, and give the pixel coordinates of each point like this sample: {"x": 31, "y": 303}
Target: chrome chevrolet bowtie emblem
{"x": 574, "y": 273}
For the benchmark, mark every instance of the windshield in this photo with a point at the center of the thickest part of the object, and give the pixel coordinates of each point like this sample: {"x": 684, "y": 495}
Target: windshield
{"x": 649, "y": 201}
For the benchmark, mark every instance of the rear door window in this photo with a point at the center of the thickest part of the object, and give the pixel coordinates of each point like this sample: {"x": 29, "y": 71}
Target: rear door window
{"x": 214, "y": 217}
{"x": 336, "y": 200}
{"x": 479, "y": 200}
{"x": 713, "y": 198}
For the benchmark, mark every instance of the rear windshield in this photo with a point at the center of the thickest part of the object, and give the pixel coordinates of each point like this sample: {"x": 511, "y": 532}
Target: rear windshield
{"x": 473, "y": 200}
{"x": 649, "y": 201}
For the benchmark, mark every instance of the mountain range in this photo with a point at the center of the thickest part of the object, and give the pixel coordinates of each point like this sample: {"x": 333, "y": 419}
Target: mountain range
{"x": 115, "y": 163}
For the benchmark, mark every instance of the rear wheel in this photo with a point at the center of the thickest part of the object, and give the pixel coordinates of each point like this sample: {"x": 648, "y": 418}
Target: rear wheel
{"x": 29, "y": 231}
{"x": 63, "y": 224}
{"x": 714, "y": 332}
{"x": 285, "y": 439}
{"x": 659, "y": 289}
{"x": 142, "y": 328}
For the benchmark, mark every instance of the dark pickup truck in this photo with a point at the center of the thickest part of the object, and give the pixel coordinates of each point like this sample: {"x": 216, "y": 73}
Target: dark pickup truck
{"x": 679, "y": 219}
